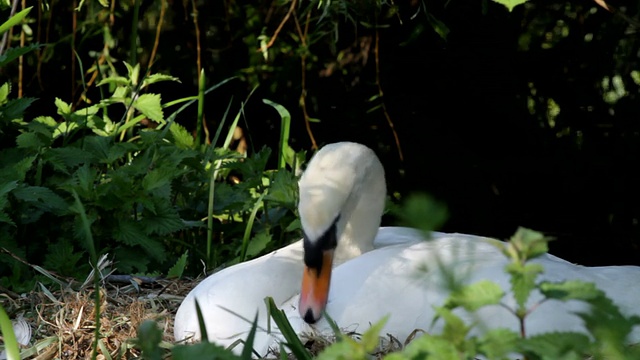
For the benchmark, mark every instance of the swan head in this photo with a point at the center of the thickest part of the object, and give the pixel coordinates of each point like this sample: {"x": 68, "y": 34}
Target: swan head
{"x": 342, "y": 194}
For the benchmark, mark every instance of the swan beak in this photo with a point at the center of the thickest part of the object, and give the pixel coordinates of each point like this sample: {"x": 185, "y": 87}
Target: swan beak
{"x": 315, "y": 289}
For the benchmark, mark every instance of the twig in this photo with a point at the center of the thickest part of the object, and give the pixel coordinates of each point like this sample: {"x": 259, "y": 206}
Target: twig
{"x": 21, "y": 58}
{"x": 5, "y": 37}
{"x": 163, "y": 8}
{"x": 127, "y": 279}
{"x": 381, "y": 94}
{"x": 275, "y": 34}
{"x": 303, "y": 77}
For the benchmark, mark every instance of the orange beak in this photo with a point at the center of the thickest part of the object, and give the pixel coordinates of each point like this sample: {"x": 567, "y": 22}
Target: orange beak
{"x": 315, "y": 289}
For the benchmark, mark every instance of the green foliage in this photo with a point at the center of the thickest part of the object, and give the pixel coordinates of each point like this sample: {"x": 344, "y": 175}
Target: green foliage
{"x": 136, "y": 192}
{"x": 510, "y": 4}
{"x": 607, "y": 326}
{"x": 9, "y": 337}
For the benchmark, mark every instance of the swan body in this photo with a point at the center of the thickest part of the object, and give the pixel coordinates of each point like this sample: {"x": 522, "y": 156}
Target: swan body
{"x": 375, "y": 271}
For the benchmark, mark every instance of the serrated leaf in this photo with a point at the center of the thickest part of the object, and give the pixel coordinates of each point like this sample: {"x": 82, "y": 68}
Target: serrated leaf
{"x": 155, "y": 78}
{"x": 150, "y": 106}
{"x": 62, "y": 258}
{"x": 65, "y": 158}
{"x": 13, "y": 53}
{"x": 570, "y": 290}
{"x": 283, "y": 189}
{"x": 498, "y": 343}
{"x": 157, "y": 178}
{"x": 116, "y": 80}
{"x": 63, "y": 108}
{"x": 510, "y": 4}
{"x": 474, "y": 296}
{"x": 523, "y": 280}
{"x": 4, "y": 92}
{"x": 177, "y": 269}
{"x": 133, "y": 234}
{"x": 46, "y": 120}
{"x": 43, "y": 198}
{"x": 29, "y": 140}
{"x": 164, "y": 219}
{"x": 556, "y": 345}
{"x": 181, "y": 137}
{"x": 64, "y": 129}
{"x": 15, "y": 108}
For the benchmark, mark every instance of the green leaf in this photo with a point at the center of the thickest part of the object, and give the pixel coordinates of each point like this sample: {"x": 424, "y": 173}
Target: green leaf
{"x": 285, "y": 125}
{"x": 498, "y": 343}
{"x": 570, "y": 290}
{"x": 14, "y": 20}
{"x": 5, "y": 189}
{"x": 5, "y": 89}
{"x": 13, "y": 53}
{"x": 176, "y": 271}
{"x": 473, "y": 297}
{"x": 43, "y": 198}
{"x": 292, "y": 340}
{"x": 15, "y": 108}
{"x": 149, "y": 338}
{"x": 371, "y": 338}
{"x": 10, "y": 341}
{"x": 556, "y": 345}
{"x": 455, "y": 330}
{"x": 133, "y": 72}
{"x": 155, "y": 78}
{"x": 163, "y": 219}
{"x": 63, "y": 259}
{"x": 510, "y": 4}
{"x": 203, "y": 350}
{"x": 66, "y": 158}
{"x": 116, "y": 80}
{"x": 258, "y": 243}
{"x": 132, "y": 233}
{"x": 181, "y": 137}
{"x": 283, "y": 189}
{"x": 427, "y": 347}
{"x": 157, "y": 178}
{"x": 149, "y": 105}
{"x": 422, "y": 212}
{"x": 64, "y": 109}
{"x": 523, "y": 280}
{"x": 29, "y": 140}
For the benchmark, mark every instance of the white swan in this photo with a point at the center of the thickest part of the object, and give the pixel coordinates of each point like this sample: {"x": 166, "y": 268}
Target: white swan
{"x": 374, "y": 271}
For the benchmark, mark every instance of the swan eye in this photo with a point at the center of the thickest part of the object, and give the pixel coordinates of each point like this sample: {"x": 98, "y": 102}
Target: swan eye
{"x": 314, "y": 249}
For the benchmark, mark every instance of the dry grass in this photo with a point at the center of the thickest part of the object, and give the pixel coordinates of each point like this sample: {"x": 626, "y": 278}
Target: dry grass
{"x": 63, "y": 321}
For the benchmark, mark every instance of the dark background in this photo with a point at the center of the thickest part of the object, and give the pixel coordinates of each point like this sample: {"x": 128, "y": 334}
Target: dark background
{"x": 471, "y": 110}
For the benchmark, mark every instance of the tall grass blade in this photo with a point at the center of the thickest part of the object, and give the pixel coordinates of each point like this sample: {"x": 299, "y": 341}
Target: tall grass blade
{"x": 293, "y": 342}
{"x": 247, "y": 229}
{"x": 200, "y": 129}
{"x": 203, "y": 329}
{"x": 285, "y": 126}
{"x": 10, "y": 341}
{"x": 94, "y": 264}
{"x": 248, "y": 344}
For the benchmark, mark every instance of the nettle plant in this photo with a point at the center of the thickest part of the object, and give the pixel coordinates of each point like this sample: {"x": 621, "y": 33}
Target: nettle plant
{"x": 607, "y": 326}
{"x": 147, "y": 191}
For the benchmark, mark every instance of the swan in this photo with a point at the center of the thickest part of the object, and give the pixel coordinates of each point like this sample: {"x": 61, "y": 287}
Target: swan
{"x": 358, "y": 272}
